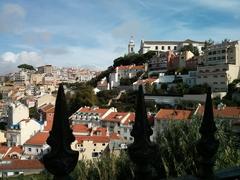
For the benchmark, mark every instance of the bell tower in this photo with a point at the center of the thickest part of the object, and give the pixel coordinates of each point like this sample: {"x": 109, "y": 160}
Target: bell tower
{"x": 131, "y": 46}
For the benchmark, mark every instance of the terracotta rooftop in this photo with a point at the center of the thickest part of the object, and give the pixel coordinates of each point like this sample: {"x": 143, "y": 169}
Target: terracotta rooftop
{"x": 144, "y": 81}
{"x": 115, "y": 116}
{"x": 80, "y": 128}
{"x": 131, "y": 67}
{"x": 130, "y": 119}
{"x": 172, "y": 114}
{"x": 3, "y": 149}
{"x": 14, "y": 149}
{"x": 46, "y": 107}
{"x": 115, "y": 136}
{"x": 48, "y": 126}
{"x": 95, "y": 139}
{"x": 225, "y": 112}
{"x": 100, "y": 131}
{"x": 20, "y": 165}
{"x": 38, "y": 139}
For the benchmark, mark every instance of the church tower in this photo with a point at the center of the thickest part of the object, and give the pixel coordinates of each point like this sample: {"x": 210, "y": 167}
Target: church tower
{"x": 131, "y": 46}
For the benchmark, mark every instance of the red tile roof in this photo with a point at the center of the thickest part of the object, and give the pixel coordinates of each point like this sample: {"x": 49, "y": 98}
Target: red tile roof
{"x": 95, "y": 139}
{"x": 50, "y": 110}
{"x": 226, "y": 112}
{"x": 80, "y": 128}
{"x": 130, "y": 119}
{"x": 115, "y": 116}
{"x": 115, "y": 136}
{"x": 21, "y": 165}
{"x": 131, "y": 67}
{"x": 145, "y": 81}
{"x": 3, "y": 149}
{"x": 46, "y": 107}
{"x": 172, "y": 114}
{"x": 100, "y": 131}
{"x": 38, "y": 139}
{"x": 48, "y": 126}
{"x": 14, "y": 149}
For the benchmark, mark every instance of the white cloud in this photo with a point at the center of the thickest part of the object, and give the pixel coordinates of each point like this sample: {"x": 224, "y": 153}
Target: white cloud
{"x": 11, "y": 18}
{"x": 9, "y": 60}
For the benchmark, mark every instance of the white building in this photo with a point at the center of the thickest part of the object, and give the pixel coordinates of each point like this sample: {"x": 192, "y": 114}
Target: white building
{"x": 90, "y": 116}
{"x": 120, "y": 123}
{"x": 131, "y": 46}
{"x": 17, "y": 112}
{"x": 36, "y": 146}
{"x": 189, "y": 79}
{"x": 220, "y": 66}
{"x": 158, "y": 46}
{"x": 22, "y": 77}
{"x": 46, "y": 99}
{"x": 19, "y": 133}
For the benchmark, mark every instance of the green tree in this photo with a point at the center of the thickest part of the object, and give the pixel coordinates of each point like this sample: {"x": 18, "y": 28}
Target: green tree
{"x": 148, "y": 88}
{"x": 208, "y": 43}
{"x": 33, "y": 113}
{"x": 80, "y": 94}
{"x": 26, "y": 66}
{"x": 191, "y": 48}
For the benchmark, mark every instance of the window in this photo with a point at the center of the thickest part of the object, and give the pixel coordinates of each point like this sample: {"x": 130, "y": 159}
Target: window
{"x": 175, "y": 47}
{"x": 210, "y": 53}
{"x": 37, "y": 150}
{"x": 103, "y": 144}
{"x": 156, "y": 47}
{"x": 214, "y": 82}
{"x": 94, "y": 144}
{"x": 162, "y": 47}
{"x": 169, "y": 48}
{"x": 30, "y": 149}
{"x": 214, "y": 52}
{"x": 94, "y": 150}
{"x": 223, "y": 51}
{"x": 215, "y": 76}
{"x": 222, "y": 82}
{"x": 95, "y": 154}
{"x": 131, "y": 49}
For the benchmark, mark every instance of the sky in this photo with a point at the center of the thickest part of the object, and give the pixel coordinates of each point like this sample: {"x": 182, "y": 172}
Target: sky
{"x": 95, "y": 32}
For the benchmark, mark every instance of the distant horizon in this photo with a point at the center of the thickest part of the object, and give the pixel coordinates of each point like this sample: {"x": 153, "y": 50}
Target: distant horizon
{"x": 94, "y": 33}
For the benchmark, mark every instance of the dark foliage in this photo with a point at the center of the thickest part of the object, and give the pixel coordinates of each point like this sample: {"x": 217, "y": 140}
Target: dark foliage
{"x": 137, "y": 59}
{"x": 26, "y": 66}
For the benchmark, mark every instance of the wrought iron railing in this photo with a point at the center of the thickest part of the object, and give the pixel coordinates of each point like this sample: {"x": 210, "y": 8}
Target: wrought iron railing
{"x": 144, "y": 153}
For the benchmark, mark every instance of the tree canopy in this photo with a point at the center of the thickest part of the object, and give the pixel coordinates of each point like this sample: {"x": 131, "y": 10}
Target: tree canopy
{"x": 26, "y": 66}
{"x": 191, "y": 48}
{"x": 137, "y": 59}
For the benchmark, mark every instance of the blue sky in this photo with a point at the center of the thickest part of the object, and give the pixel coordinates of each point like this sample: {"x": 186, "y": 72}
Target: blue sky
{"x": 95, "y": 32}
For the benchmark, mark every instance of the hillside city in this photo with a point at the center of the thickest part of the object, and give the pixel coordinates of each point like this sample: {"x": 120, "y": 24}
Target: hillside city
{"x": 175, "y": 76}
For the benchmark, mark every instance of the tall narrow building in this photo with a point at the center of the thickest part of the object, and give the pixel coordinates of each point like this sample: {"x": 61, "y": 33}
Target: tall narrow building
{"x": 131, "y": 46}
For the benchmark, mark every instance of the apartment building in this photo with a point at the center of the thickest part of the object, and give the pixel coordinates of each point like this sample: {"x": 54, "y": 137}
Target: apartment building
{"x": 220, "y": 65}
{"x": 90, "y": 116}
{"x": 158, "y": 46}
{"x": 45, "y": 69}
